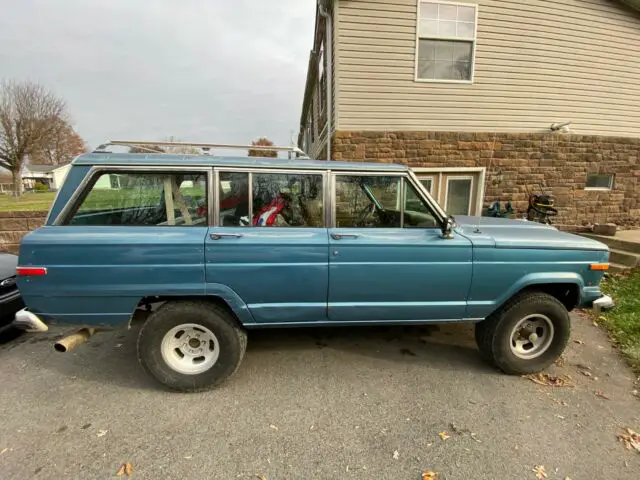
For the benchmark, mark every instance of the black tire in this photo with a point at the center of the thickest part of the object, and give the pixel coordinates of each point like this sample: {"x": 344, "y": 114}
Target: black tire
{"x": 231, "y": 337}
{"x": 493, "y": 335}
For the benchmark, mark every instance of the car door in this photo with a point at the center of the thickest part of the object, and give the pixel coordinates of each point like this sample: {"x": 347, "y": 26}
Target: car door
{"x": 388, "y": 259}
{"x": 269, "y": 244}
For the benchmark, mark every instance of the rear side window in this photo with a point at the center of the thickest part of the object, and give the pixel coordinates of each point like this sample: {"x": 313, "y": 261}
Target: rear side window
{"x": 270, "y": 200}
{"x": 143, "y": 199}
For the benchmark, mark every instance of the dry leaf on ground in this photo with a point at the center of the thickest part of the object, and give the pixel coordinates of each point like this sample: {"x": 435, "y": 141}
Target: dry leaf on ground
{"x": 585, "y": 373}
{"x": 125, "y": 469}
{"x": 261, "y": 477}
{"x": 396, "y": 455}
{"x": 273, "y": 426}
{"x": 601, "y": 394}
{"x": 539, "y": 471}
{"x": 550, "y": 380}
{"x": 630, "y": 439}
{"x": 429, "y": 475}
{"x": 443, "y": 435}
{"x": 101, "y": 433}
{"x": 579, "y": 342}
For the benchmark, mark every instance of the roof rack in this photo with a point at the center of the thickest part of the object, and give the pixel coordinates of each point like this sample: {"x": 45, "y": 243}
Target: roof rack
{"x": 204, "y": 147}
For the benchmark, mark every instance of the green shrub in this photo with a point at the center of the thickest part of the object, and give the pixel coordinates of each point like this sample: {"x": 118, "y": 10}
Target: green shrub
{"x": 40, "y": 187}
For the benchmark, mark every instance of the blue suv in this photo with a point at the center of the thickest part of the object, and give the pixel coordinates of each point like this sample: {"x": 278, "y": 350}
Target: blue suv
{"x": 214, "y": 246}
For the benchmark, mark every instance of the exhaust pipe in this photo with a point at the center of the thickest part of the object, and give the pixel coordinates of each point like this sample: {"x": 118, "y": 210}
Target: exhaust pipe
{"x": 70, "y": 342}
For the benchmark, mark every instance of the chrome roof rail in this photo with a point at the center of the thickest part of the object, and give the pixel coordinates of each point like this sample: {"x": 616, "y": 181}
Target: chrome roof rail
{"x": 205, "y": 148}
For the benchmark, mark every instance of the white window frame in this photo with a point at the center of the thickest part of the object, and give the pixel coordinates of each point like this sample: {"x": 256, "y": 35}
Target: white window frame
{"x": 473, "y": 50}
{"x": 600, "y": 189}
{"x": 427, "y": 177}
{"x": 446, "y": 190}
{"x": 439, "y": 171}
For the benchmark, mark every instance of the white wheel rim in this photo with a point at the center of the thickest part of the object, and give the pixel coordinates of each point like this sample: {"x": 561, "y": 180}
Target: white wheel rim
{"x": 190, "y": 349}
{"x": 531, "y": 337}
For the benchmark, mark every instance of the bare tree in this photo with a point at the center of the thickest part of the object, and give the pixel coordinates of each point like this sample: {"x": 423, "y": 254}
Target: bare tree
{"x": 262, "y": 152}
{"x": 28, "y": 114}
{"x": 62, "y": 145}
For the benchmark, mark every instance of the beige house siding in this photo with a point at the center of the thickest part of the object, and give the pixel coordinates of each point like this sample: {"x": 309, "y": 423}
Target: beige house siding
{"x": 537, "y": 62}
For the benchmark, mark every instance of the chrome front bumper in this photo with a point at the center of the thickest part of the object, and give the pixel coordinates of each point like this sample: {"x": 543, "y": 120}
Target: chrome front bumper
{"x": 603, "y": 303}
{"x": 29, "y": 321}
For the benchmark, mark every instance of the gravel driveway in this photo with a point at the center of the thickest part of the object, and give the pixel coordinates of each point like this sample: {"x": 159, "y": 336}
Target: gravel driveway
{"x": 317, "y": 404}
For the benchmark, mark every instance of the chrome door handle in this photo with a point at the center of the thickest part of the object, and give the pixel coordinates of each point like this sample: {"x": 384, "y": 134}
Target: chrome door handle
{"x": 340, "y": 236}
{"x": 218, "y": 236}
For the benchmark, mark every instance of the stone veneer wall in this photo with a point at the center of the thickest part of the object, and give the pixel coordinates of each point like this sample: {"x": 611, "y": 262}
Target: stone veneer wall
{"x": 559, "y": 163}
{"x": 14, "y": 225}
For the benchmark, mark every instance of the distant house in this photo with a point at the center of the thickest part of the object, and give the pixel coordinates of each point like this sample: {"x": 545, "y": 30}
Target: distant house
{"x": 484, "y": 99}
{"x": 51, "y": 176}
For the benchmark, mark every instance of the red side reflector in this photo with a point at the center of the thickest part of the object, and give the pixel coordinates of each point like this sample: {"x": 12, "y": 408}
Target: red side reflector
{"x": 31, "y": 271}
{"x": 599, "y": 266}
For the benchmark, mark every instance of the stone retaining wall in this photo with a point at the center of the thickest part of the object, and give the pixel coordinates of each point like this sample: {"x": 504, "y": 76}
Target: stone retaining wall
{"x": 559, "y": 163}
{"x": 14, "y": 225}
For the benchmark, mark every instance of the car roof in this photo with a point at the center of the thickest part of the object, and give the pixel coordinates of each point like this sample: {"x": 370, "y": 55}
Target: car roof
{"x": 168, "y": 160}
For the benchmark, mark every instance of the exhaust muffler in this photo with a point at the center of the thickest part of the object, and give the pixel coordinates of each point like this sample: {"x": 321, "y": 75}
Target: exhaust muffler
{"x": 70, "y": 342}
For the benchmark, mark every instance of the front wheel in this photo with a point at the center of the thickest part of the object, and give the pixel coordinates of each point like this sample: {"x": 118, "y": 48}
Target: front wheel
{"x": 526, "y": 335}
{"x": 191, "y": 346}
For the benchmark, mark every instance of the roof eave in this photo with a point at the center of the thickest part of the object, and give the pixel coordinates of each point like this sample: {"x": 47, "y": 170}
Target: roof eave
{"x": 312, "y": 72}
{"x": 635, "y": 4}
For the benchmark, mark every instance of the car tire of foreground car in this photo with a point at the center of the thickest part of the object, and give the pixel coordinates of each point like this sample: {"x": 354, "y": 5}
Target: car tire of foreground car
{"x": 526, "y": 335}
{"x": 191, "y": 346}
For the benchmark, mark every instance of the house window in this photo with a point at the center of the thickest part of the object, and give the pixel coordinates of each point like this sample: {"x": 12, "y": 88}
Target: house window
{"x": 427, "y": 182}
{"x": 458, "y": 195}
{"x": 446, "y": 41}
{"x": 321, "y": 80}
{"x": 598, "y": 181}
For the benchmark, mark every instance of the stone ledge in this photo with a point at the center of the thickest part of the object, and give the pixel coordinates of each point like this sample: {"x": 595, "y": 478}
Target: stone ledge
{"x": 24, "y": 214}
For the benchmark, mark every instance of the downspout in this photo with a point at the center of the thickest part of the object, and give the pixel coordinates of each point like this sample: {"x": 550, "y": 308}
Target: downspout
{"x": 329, "y": 83}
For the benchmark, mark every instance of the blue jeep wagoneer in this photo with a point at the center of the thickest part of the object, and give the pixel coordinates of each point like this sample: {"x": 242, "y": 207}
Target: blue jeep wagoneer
{"x": 218, "y": 246}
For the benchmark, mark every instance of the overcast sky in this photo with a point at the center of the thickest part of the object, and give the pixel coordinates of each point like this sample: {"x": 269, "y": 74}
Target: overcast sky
{"x": 202, "y": 70}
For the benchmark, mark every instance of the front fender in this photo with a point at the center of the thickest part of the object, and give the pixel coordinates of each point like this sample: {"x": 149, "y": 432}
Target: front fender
{"x": 483, "y": 308}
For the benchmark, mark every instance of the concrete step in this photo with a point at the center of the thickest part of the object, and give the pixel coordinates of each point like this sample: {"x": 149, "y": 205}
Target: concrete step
{"x": 615, "y": 243}
{"x": 624, "y": 258}
{"x": 617, "y": 268}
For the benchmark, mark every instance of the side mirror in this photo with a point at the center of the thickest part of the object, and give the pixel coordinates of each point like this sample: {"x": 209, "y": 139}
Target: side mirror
{"x": 447, "y": 228}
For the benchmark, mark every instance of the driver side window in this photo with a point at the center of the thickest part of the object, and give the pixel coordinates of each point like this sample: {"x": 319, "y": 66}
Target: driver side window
{"x": 368, "y": 201}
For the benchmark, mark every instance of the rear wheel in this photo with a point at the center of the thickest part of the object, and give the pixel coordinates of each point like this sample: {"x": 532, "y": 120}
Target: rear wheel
{"x": 191, "y": 346}
{"x": 526, "y": 335}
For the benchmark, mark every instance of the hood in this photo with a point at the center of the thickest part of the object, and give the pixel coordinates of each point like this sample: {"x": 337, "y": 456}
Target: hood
{"x": 506, "y": 233}
{"x": 8, "y": 263}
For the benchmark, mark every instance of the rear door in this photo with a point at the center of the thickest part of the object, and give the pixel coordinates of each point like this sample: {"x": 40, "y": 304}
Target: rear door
{"x": 269, "y": 244}
{"x": 388, "y": 259}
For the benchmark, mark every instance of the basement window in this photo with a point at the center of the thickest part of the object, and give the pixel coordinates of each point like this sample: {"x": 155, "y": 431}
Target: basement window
{"x": 446, "y": 41}
{"x": 599, "y": 181}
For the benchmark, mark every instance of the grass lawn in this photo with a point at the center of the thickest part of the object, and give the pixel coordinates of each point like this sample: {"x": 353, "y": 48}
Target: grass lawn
{"x": 624, "y": 320}
{"x": 27, "y": 201}
{"x": 96, "y": 200}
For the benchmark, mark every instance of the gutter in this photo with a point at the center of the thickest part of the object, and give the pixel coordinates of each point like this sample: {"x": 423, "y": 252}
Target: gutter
{"x": 328, "y": 28}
